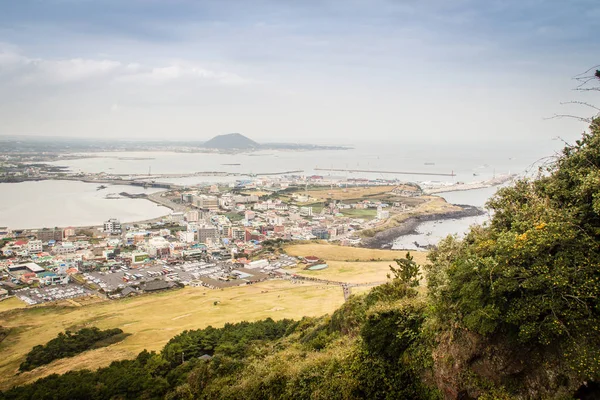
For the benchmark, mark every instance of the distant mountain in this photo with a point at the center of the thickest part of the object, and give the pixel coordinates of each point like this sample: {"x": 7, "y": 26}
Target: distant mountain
{"x": 231, "y": 141}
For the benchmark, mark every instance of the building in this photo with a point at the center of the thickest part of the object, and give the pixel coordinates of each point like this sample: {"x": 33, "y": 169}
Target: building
{"x": 176, "y": 217}
{"x": 158, "y": 247}
{"x": 205, "y": 232}
{"x": 112, "y": 226}
{"x": 27, "y": 267}
{"x": 238, "y": 233}
{"x": 321, "y": 233}
{"x": 192, "y": 216}
{"x": 139, "y": 258}
{"x": 210, "y": 203}
{"x": 64, "y": 248}
{"x": 382, "y": 214}
{"x": 68, "y": 232}
{"x": 306, "y": 211}
{"x": 34, "y": 246}
{"x": 185, "y": 236}
{"x": 258, "y": 264}
{"x": 187, "y": 197}
{"x": 46, "y": 235}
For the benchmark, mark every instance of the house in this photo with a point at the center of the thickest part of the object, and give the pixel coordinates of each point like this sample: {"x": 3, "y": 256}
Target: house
{"x": 127, "y": 291}
{"x": 156, "y": 285}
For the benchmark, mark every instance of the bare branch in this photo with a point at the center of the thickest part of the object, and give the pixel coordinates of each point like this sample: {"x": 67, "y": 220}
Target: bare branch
{"x": 583, "y": 103}
{"x": 582, "y": 119}
{"x": 590, "y": 69}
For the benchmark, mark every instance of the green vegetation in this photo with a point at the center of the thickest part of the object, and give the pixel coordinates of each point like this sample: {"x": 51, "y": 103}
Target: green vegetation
{"x": 69, "y": 344}
{"x": 366, "y": 213}
{"x": 235, "y": 216}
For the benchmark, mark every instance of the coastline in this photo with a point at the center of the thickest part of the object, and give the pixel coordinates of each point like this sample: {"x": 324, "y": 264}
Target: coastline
{"x": 384, "y": 239}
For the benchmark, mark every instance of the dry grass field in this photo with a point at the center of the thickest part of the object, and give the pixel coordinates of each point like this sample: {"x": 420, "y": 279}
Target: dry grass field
{"x": 330, "y": 252}
{"x": 351, "y": 192}
{"x": 152, "y": 320}
{"x": 350, "y": 272}
{"x": 11, "y": 303}
{"x": 350, "y": 264}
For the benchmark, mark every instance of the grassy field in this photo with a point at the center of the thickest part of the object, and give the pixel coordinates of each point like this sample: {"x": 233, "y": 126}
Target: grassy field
{"x": 11, "y": 303}
{"x": 332, "y": 252}
{"x": 350, "y": 193}
{"x": 367, "y": 213}
{"x": 351, "y": 272}
{"x": 152, "y": 320}
{"x": 350, "y": 264}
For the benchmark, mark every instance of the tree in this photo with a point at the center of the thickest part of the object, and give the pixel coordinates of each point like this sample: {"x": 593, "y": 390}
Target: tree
{"x": 407, "y": 271}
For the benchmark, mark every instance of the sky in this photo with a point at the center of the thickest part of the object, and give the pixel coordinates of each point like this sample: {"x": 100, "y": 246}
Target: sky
{"x": 328, "y": 72}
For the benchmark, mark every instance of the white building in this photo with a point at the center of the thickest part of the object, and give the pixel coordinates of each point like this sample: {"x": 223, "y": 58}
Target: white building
{"x": 34, "y": 246}
{"x": 210, "y": 203}
{"x": 306, "y": 211}
{"x": 382, "y": 214}
{"x": 186, "y": 237}
{"x": 64, "y": 248}
{"x": 192, "y": 216}
{"x": 257, "y": 264}
{"x": 177, "y": 217}
{"x": 113, "y": 225}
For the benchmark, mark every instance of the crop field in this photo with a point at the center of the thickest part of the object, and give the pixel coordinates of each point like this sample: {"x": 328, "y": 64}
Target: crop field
{"x": 152, "y": 320}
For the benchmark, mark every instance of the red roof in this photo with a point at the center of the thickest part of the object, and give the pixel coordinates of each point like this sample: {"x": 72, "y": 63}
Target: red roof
{"x": 20, "y": 242}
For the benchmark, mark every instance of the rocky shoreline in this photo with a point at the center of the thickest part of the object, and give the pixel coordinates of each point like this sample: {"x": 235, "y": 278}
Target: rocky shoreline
{"x": 385, "y": 238}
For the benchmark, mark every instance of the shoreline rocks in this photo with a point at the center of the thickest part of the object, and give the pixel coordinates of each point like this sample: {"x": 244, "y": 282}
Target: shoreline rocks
{"x": 385, "y": 238}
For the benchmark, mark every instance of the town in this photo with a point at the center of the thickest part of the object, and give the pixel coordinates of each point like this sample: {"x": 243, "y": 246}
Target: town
{"x": 216, "y": 236}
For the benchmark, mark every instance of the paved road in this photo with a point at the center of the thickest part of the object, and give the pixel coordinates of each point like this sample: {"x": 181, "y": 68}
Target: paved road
{"x": 163, "y": 201}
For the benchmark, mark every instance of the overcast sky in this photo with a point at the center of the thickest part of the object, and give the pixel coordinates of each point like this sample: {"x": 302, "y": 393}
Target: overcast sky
{"x": 324, "y": 71}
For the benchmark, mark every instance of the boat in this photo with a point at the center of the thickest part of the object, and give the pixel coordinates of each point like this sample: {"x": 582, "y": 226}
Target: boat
{"x": 429, "y": 163}
{"x": 101, "y": 187}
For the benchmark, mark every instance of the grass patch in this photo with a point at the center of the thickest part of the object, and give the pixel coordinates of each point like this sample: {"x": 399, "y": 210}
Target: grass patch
{"x": 366, "y": 213}
{"x": 234, "y": 216}
{"x": 11, "y": 304}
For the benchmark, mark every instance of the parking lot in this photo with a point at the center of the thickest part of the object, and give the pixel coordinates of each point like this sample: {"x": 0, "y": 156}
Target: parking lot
{"x": 33, "y": 296}
{"x": 186, "y": 273}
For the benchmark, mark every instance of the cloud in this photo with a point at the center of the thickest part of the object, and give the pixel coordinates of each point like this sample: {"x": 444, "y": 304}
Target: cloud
{"x": 21, "y": 70}
{"x": 181, "y": 71}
